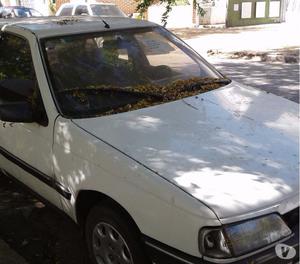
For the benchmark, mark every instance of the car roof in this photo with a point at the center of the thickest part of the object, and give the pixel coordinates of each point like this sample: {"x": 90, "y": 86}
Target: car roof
{"x": 43, "y": 27}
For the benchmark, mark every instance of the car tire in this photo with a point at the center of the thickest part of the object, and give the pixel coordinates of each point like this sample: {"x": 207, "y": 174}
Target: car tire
{"x": 112, "y": 237}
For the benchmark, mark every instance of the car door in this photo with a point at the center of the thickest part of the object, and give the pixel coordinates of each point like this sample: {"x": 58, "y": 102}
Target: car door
{"x": 26, "y": 148}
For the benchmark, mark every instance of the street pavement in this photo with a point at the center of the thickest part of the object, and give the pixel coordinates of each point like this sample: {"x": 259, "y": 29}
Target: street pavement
{"x": 277, "y": 78}
{"x": 261, "y": 38}
{"x": 8, "y": 256}
{"x": 38, "y": 233}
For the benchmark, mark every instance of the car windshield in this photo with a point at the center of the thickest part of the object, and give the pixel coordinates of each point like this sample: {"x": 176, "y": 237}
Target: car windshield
{"x": 120, "y": 71}
{"x": 106, "y": 10}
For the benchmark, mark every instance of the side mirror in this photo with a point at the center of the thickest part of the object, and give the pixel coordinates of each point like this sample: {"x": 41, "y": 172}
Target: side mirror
{"x": 17, "y": 112}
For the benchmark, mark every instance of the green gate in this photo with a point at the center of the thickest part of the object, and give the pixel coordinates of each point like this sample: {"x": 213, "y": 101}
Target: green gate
{"x": 254, "y": 12}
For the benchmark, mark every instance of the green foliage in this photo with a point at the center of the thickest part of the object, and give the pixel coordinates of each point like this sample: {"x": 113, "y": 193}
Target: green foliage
{"x": 199, "y": 9}
{"x": 52, "y": 7}
{"x": 143, "y": 6}
{"x": 167, "y": 11}
{"x": 2, "y": 76}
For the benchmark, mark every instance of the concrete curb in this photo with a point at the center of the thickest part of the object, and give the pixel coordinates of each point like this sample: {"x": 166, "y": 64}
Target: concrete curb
{"x": 8, "y": 256}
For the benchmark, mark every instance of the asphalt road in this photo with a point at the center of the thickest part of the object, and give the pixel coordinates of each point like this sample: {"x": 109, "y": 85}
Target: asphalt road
{"x": 39, "y": 234}
{"x": 278, "y": 78}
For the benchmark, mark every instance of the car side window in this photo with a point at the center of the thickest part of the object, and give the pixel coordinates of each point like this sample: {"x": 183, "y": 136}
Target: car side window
{"x": 66, "y": 11}
{"x": 18, "y": 82}
{"x": 80, "y": 10}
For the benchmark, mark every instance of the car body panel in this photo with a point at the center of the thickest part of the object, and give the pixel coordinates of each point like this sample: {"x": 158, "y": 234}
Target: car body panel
{"x": 83, "y": 162}
{"x": 223, "y": 147}
{"x": 27, "y": 137}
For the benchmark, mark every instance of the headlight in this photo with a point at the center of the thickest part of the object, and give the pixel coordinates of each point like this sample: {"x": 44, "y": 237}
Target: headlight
{"x": 241, "y": 238}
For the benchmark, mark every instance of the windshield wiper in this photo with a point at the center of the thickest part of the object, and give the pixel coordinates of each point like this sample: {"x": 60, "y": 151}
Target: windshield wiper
{"x": 201, "y": 83}
{"x": 115, "y": 90}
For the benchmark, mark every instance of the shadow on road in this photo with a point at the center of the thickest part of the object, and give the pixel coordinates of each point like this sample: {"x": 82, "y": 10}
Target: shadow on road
{"x": 279, "y": 79}
{"x": 38, "y": 233}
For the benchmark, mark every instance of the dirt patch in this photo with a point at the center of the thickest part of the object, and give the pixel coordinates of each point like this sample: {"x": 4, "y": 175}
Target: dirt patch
{"x": 36, "y": 232}
{"x": 189, "y": 33}
{"x": 285, "y": 55}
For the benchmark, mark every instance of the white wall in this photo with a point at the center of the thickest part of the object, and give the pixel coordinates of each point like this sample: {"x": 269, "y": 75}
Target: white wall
{"x": 293, "y": 11}
{"x": 219, "y": 12}
{"x": 40, "y": 5}
{"x": 215, "y": 14}
{"x": 10, "y": 2}
{"x": 180, "y": 16}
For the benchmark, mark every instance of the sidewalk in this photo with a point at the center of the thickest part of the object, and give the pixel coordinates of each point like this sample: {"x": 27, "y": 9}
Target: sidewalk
{"x": 270, "y": 42}
{"x": 8, "y": 256}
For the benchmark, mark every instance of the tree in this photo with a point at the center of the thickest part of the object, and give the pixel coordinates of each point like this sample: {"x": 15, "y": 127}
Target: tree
{"x": 143, "y": 6}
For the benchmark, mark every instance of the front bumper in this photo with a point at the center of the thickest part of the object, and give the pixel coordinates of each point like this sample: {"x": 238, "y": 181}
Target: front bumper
{"x": 163, "y": 254}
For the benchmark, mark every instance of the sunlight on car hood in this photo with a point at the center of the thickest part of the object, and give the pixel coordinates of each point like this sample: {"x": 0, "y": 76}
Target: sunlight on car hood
{"x": 235, "y": 148}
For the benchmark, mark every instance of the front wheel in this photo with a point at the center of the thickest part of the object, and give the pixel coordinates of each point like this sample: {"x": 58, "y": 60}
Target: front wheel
{"x": 112, "y": 238}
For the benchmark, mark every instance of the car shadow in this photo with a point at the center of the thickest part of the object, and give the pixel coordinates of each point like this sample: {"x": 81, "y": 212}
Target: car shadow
{"x": 39, "y": 233}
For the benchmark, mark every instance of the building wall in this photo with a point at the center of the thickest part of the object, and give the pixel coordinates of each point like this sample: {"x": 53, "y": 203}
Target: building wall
{"x": 60, "y": 2}
{"x": 10, "y": 2}
{"x": 40, "y": 5}
{"x": 127, "y": 6}
{"x": 214, "y": 14}
{"x": 293, "y": 11}
{"x": 179, "y": 17}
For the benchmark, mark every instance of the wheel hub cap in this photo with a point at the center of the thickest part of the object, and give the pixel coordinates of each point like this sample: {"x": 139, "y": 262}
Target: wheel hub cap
{"x": 109, "y": 246}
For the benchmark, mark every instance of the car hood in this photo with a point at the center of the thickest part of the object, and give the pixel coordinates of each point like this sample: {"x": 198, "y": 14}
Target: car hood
{"x": 234, "y": 149}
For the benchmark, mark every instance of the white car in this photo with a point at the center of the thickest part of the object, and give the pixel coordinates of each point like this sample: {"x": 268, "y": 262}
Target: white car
{"x": 92, "y": 9}
{"x": 154, "y": 153}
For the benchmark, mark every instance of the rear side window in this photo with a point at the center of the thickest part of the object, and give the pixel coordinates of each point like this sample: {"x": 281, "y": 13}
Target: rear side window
{"x": 80, "y": 10}
{"x": 106, "y": 10}
{"x": 66, "y": 11}
{"x": 18, "y": 82}
{"x": 16, "y": 64}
